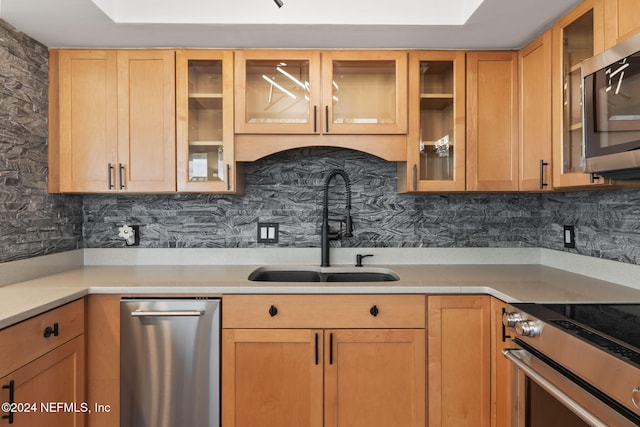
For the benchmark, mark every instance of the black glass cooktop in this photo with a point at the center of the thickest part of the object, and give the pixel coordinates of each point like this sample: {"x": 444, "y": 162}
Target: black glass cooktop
{"x": 620, "y": 321}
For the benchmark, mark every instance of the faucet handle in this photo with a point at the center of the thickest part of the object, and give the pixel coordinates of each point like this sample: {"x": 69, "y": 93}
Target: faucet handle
{"x": 359, "y": 259}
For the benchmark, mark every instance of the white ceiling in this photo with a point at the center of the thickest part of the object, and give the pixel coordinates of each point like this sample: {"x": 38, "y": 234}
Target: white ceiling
{"x": 422, "y": 24}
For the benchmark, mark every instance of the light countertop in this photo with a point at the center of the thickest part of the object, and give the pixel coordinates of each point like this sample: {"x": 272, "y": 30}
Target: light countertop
{"x": 509, "y": 282}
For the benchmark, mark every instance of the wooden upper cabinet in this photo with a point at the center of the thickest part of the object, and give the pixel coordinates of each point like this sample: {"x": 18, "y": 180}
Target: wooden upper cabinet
{"x": 291, "y": 99}
{"x": 574, "y": 39}
{"x": 83, "y": 120}
{"x": 112, "y": 121}
{"x": 364, "y": 92}
{"x": 277, "y": 92}
{"x": 146, "y": 121}
{"x": 313, "y": 92}
{"x": 204, "y": 121}
{"x": 436, "y": 137}
{"x": 535, "y": 168}
{"x": 621, "y": 20}
{"x": 492, "y": 121}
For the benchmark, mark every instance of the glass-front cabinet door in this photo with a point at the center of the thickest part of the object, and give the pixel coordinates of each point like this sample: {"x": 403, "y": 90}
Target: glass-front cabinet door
{"x": 573, "y": 42}
{"x": 204, "y": 127}
{"x": 364, "y": 92}
{"x": 436, "y": 139}
{"x": 320, "y": 92}
{"x": 277, "y": 91}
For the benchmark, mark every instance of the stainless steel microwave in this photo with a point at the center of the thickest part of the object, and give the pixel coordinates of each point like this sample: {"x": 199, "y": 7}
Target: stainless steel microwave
{"x": 611, "y": 111}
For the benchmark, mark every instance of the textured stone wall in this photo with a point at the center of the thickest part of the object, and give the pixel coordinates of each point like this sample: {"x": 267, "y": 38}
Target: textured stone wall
{"x": 32, "y": 222}
{"x": 284, "y": 188}
{"x": 607, "y": 223}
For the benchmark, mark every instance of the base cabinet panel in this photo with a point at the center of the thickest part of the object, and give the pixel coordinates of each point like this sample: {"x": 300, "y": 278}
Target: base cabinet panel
{"x": 271, "y": 378}
{"x": 41, "y": 386}
{"x": 374, "y": 378}
{"x": 459, "y": 361}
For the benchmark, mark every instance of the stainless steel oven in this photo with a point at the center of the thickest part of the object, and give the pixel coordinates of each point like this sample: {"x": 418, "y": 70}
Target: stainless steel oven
{"x": 574, "y": 365}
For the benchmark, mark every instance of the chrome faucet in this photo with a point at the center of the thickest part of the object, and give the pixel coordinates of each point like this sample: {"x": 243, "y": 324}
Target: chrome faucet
{"x": 326, "y": 233}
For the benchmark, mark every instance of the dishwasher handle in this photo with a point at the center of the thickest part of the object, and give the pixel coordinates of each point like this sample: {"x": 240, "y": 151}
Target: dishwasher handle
{"x": 167, "y": 313}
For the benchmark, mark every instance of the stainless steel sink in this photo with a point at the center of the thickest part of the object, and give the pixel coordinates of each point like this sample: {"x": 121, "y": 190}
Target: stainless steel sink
{"x": 322, "y": 274}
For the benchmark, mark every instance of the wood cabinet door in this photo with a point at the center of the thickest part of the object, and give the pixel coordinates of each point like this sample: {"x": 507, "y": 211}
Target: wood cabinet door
{"x": 83, "y": 122}
{"x": 277, "y": 92}
{"x": 204, "y": 121}
{"x": 272, "y": 378}
{"x": 436, "y": 138}
{"x": 492, "y": 121}
{"x": 375, "y": 377}
{"x": 57, "y": 377}
{"x": 364, "y": 92}
{"x": 146, "y": 121}
{"x": 621, "y": 20}
{"x": 500, "y": 369}
{"x": 459, "y": 368}
{"x": 575, "y": 37}
{"x": 535, "y": 115}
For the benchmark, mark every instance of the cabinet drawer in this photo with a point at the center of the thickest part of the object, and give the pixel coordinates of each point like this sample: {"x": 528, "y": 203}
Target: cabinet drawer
{"x": 25, "y": 341}
{"x": 323, "y": 311}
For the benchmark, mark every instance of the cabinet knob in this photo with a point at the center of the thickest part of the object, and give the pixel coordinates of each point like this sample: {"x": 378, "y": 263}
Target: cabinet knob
{"x": 48, "y": 331}
{"x": 273, "y": 311}
{"x": 374, "y": 311}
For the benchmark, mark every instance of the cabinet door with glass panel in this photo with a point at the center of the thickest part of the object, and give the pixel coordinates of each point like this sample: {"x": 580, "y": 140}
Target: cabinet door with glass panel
{"x": 573, "y": 42}
{"x": 277, "y": 91}
{"x": 204, "y": 96}
{"x": 436, "y": 142}
{"x": 364, "y": 92}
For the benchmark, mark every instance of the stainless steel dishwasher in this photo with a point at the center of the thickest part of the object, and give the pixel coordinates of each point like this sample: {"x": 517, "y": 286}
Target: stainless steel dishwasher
{"x": 170, "y": 362}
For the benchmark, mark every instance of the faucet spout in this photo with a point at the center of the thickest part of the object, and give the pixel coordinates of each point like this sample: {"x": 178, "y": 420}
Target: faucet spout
{"x": 326, "y": 234}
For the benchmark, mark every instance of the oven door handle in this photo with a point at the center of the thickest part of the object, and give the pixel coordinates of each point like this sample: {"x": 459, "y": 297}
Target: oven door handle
{"x": 583, "y": 414}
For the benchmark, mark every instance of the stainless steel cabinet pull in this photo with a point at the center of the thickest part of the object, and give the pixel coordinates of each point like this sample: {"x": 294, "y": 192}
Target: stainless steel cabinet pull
{"x": 415, "y": 177}
{"x": 326, "y": 118}
{"x": 109, "y": 173}
{"x": 317, "y": 350}
{"x": 228, "y": 177}
{"x": 120, "y": 175}
{"x": 169, "y": 313}
{"x": 12, "y": 388}
{"x": 315, "y": 119}
{"x": 542, "y": 165}
{"x": 574, "y": 406}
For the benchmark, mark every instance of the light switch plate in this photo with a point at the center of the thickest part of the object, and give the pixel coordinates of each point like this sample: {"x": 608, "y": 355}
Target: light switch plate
{"x": 268, "y": 232}
{"x": 569, "y": 236}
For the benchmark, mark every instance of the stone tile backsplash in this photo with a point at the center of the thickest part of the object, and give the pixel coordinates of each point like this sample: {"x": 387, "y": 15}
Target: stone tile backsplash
{"x": 287, "y": 188}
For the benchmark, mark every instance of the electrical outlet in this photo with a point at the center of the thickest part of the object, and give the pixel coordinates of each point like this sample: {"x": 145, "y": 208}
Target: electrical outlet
{"x": 268, "y": 232}
{"x": 569, "y": 236}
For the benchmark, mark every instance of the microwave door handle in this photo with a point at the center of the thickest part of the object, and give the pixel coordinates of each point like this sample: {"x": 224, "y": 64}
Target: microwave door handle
{"x": 581, "y": 412}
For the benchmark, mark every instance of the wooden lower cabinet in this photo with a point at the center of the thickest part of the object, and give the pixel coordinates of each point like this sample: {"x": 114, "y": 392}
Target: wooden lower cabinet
{"x": 323, "y": 360}
{"x": 272, "y": 378}
{"x": 315, "y": 377}
{"x": 500, "y": 369}
{"x": 459, "y": 373}
{"x": 41, "y": 386}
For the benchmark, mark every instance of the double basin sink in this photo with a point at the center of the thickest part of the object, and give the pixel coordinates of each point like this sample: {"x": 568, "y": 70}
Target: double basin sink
{"x": 322, "y": 274}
